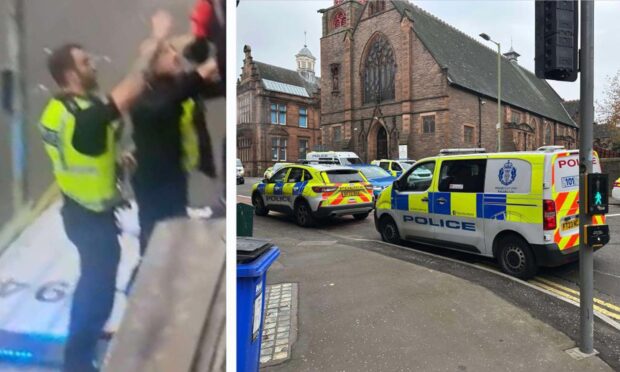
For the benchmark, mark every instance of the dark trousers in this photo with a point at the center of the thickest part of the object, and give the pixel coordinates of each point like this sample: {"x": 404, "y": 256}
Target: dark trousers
{"x": 158, "y": 202}
{"x": 95, "y": 236}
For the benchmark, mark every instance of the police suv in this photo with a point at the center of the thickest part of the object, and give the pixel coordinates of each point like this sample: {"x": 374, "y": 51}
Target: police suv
{"x": 520, "y": 208}
{"x": 309, "y": 192}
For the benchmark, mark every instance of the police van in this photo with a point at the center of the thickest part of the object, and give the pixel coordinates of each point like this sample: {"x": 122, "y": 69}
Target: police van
{"x": 334, "y": 157}
{"x": 520, "y": 208}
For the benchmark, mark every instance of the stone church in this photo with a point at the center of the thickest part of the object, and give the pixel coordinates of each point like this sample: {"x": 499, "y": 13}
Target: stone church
{"x": 397, "y": 80}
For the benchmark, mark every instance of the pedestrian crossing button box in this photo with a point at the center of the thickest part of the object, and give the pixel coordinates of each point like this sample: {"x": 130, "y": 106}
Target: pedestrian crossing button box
{"x": 597, "y": 193}
{"x": 596, "y": 235}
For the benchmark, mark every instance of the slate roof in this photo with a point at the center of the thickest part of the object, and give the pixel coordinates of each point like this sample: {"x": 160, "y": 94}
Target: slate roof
{"x": 572, "y": 107}
{"x": 472, "y": 65}
{"x": 274, "y": 74}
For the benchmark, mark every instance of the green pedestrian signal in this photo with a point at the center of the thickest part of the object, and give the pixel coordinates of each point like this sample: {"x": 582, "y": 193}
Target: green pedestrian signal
{"x": 597, "y": 191}
{"x": 598, "y": 198}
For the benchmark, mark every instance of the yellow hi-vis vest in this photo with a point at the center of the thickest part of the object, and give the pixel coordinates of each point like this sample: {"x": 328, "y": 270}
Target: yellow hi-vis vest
{"x": 189, "y": 137}
{"x": 88, "y": 180}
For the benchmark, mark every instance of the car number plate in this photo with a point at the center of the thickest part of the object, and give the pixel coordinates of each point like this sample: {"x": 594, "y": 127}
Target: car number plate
{"x": 350, "y": 193}
{"x": 570, "y": 224}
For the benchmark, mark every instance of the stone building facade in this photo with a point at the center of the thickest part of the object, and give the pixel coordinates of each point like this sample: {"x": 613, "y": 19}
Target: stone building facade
{"x": 277, "y": 112}
{"x": 396, "y": 80}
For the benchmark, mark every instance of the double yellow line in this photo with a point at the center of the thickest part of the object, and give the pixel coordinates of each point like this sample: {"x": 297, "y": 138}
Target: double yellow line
{"x": 605, "y": 308}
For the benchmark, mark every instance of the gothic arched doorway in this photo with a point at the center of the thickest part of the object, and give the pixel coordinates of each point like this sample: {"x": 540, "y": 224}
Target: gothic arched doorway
{"x": 382, "y": 143}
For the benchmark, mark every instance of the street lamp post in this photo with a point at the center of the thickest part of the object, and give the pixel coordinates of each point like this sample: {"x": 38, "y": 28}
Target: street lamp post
{"x": 500, "y": 127}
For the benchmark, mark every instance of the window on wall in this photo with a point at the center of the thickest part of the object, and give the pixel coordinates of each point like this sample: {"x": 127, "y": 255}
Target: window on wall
{"x": 303, "y": 117}
{"x": 340, "y": 19}
{"x": 379, "y": 71}
{"x": 278, "y": 113}
{"x": 428, "y": 124}
{"x": 243, "y": 109}
{"x": 376, "y": 6}
{"x": 547, "y": 134}
{"x": 278, "y": 148}
{"x": 244, "y": 146}
{"x": 303, "y": 148}
{"x": 337, "y": 136}
{"x": 516, "y": 118}
{"x": 468, "y": 134}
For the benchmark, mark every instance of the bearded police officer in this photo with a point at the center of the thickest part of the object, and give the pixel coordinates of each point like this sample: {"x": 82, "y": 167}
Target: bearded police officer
{"x": 79, "y": 133}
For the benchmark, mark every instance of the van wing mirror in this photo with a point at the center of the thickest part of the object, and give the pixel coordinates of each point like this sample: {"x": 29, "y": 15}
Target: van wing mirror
{"x": 396, "y": 185}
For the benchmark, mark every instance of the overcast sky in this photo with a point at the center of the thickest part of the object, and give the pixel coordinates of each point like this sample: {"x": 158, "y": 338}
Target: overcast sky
{"x": 275, "y": 31}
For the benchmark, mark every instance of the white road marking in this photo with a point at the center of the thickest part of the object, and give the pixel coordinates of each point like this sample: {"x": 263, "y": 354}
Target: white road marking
{"x": 603, "y": 273}
{"x": 243, "y": 196}
{"x": 612, "y": 215}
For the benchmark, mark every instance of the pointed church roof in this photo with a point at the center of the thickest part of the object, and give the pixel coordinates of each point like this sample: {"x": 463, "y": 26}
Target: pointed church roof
{"x": 469, "y": 65}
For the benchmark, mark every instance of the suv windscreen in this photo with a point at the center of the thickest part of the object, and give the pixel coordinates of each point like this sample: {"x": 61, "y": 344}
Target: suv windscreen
{"x": 344, "y": 176}
{"x": 374, "y": 172}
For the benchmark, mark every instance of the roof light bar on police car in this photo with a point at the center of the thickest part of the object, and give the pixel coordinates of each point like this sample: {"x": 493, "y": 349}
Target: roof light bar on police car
{"x": 551, "y": 148}
{"x": 462, "y": 151}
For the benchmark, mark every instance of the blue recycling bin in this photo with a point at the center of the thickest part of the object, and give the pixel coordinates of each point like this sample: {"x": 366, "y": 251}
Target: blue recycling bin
{"x": 254, "y": 257}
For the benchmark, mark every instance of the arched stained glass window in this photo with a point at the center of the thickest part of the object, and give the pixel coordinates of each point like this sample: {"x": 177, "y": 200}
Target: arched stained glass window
{"x": 379, "y": 71}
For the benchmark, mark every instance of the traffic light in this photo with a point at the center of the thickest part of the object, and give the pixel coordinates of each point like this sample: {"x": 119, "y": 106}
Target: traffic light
{"x": 557, "y": 26}
{"x": 597, "y": 193}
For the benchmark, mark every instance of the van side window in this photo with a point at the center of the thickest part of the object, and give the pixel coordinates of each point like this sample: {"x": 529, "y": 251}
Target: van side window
{"x": 396, "y": 167}
{"x": 385, "y": 165}
{"x": 420, "y": 177}
{"x": 462, "y": 175}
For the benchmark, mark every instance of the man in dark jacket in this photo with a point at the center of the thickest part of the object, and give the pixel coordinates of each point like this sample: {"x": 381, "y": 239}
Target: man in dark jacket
{"x": 172, "y": 97}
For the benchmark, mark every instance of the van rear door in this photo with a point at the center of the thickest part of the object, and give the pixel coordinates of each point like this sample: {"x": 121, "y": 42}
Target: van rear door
{"x": 565, "y": 191}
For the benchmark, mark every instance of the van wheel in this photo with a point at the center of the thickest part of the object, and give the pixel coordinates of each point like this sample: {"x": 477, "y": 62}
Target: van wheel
{"x": 361, "y": 216}
{"x": 389, "y": 230}
{"x": 303, "y": 214}
{"x": 516, "y": 258}
{"x": 259, "y": 206}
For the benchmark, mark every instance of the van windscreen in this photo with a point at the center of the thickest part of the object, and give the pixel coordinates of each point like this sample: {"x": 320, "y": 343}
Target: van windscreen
{"x": 344, "y": 176}
{"x": 349, "y": 161}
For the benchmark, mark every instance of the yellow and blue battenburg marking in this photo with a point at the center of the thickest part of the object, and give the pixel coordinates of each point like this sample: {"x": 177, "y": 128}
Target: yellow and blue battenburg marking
{"x": 479, "y": 205}
{"x": 281, "y": 188}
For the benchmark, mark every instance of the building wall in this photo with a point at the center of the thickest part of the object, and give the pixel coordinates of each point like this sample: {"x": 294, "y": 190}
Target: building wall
{"x": 254, "y": 136}
{"x": 421, "y": 89}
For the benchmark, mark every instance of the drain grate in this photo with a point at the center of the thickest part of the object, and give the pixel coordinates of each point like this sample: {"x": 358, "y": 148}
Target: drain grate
{"x": 279, "y": 326}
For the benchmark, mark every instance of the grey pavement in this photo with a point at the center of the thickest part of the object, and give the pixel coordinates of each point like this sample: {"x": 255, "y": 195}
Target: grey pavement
{"x": 363, "y": 311}
{"x": 367, "y": 306}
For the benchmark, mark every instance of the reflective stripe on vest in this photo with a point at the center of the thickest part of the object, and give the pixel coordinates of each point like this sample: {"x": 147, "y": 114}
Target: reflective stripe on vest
{"x": 89, "y": 180}
{"x": 189, "y": 137}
